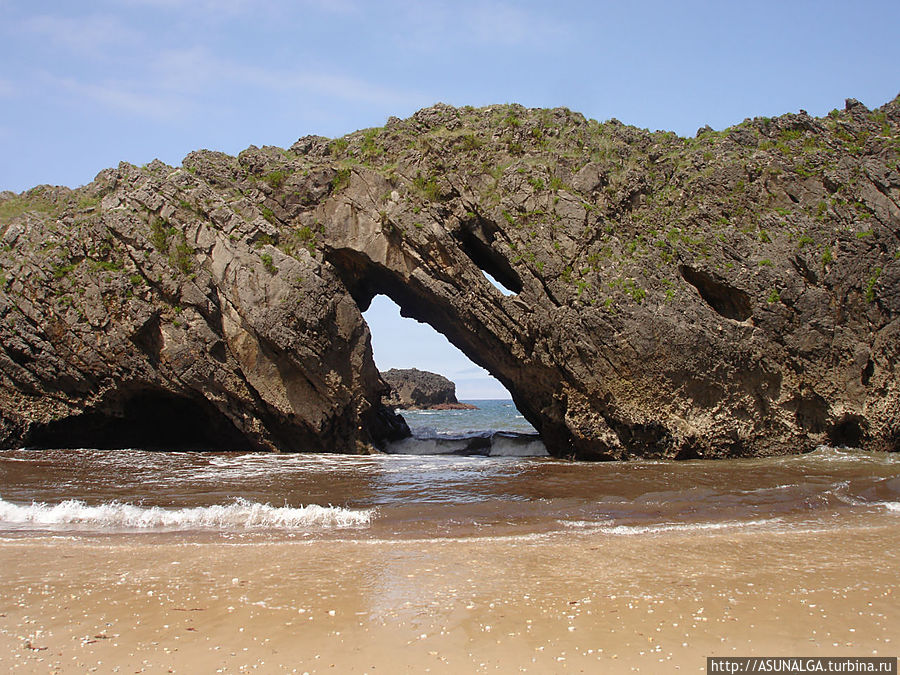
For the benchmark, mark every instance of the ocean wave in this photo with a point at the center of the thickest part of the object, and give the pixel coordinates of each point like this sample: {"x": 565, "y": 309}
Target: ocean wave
{"x": 667, "y": 527}
{"x": 827, "y": 453}
{"x": 431, "y": 446}
{"x": 488, "y": 443}
{"x": 240, "y": 514}
{"x": 522, "y": 446}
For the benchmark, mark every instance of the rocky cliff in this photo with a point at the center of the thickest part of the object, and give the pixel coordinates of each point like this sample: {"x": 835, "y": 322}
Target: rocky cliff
{"x": 414, "y": 388}
{"x": 735, "y": 293}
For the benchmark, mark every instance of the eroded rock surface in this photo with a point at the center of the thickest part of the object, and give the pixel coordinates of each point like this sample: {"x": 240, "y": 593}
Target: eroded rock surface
{"x": 737, "y": 293}
{"x": 414, "y": 388}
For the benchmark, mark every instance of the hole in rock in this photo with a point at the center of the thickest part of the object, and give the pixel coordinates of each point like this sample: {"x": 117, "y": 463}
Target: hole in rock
{"x": 689, "y": 450}
{"x": 476, "y": 241}
{"x": 728, "y": 301}
{"x": 867, "y": 372}
{"x": 404, "y": 343}
{"x": 147, "y": 420}
{"x": 423, "y": 332}
{"x": 503, "y": 289}
{"x": 848, "y": 432}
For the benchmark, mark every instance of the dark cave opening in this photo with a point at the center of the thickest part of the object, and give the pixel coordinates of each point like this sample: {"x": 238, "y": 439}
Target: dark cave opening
{"x": 848, "y": 432}
{"x": 867, "y": 372}
{"x": 147, "y": 419}
{"x": 727, "y": 301}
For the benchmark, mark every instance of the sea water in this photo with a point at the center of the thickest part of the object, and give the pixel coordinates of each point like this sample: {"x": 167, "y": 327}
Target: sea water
{"x": 495, "y": 428}
{"x": 493, "y": 415}
{"x": 438, "y": 487}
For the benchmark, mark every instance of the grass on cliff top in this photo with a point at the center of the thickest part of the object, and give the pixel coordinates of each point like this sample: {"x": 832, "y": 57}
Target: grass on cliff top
{"x": 49, "y": 201}
{"x": 557, "y": 142}
{"x": 36, "y": 200}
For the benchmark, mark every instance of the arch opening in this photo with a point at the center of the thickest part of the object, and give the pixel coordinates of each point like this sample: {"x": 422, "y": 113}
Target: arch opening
{"x": 399, "y": 341}
{"x": 495, "y": 427}
{"x": 499, "y": 286}
{"x": 365, "y": 279}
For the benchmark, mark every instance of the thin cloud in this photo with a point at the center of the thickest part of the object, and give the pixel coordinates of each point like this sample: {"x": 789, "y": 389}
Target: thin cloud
{"x": 354, "y": 89}
{"x": 120, "y": 96}
{"x": 255, "y": 7}
{"x": 199, "y": 6}
{"x": 188, "y": 70}
{"x": 182, "y": 81}
{"x": 88, "y": 35}
{"x": 466, "y": 24}
{"x": 510, "y": 25}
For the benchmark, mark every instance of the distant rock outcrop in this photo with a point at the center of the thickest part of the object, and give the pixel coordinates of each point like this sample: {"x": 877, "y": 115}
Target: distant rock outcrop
{"x": 732, "y": 294}
{"x": 413, "y": 388}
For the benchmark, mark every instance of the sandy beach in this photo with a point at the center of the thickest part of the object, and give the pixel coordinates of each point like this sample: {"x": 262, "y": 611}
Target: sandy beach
{"x": 545, "y": 603}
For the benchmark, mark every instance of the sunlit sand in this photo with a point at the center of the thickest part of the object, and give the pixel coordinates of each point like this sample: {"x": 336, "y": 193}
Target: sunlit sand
{"x": 544, "y": 603}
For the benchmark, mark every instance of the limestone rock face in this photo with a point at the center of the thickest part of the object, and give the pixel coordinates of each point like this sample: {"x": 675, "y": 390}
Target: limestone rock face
{"x": 139, "y": 322}
{"x": 414, "y": 388}
{"x": 737, "y": 293}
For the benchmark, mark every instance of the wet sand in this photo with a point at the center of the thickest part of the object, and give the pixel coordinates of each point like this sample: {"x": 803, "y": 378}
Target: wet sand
{"x": 565, "y": 602}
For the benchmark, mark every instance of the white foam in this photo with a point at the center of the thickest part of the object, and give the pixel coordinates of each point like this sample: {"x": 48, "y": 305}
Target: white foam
{"x": 826, "y": 453}
{"x": 502, "y": 446}
{"x": 241, "y": 514}
{"x": 891, "y": 506}
{"x": 429, "y": 446}
{"x": 667, "y": 527}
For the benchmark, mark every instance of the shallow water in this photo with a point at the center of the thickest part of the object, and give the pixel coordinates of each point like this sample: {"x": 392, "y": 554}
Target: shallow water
{"x": 415, "y": 496}
{"x": 252, "y": 496}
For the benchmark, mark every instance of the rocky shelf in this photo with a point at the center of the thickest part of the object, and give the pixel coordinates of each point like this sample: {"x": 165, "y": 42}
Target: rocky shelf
{"x": 414, "y": 388}
{"x": 731, "y": 294}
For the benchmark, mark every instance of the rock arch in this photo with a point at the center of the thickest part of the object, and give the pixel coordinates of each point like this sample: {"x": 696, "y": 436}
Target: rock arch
{"x": 444, "y": 288}
{"x": 664, "y": 306}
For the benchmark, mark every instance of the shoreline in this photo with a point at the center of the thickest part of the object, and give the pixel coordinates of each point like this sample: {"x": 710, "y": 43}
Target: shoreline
{"x": 570, "y": 602}
{"x": 437, "y": 406}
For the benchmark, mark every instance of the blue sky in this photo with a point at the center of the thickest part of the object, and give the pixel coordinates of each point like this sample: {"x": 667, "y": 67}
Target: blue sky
{"x": 84, "y": 85}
